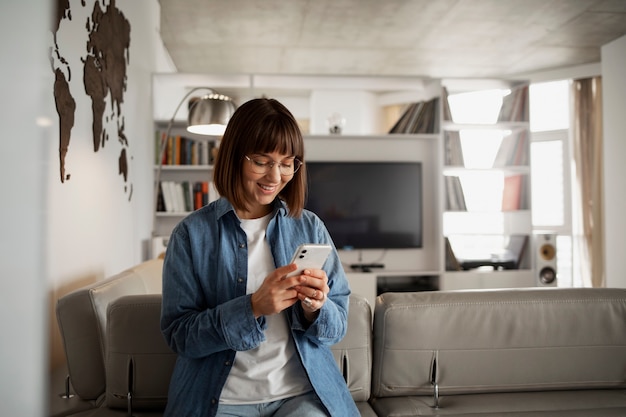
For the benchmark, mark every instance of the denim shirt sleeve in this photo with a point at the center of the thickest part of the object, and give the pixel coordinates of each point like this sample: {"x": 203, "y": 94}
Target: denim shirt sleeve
{"x": 205, "y": 309}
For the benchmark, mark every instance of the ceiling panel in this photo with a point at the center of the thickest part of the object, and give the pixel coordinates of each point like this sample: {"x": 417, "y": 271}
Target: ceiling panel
{"x": 424, "y": 38}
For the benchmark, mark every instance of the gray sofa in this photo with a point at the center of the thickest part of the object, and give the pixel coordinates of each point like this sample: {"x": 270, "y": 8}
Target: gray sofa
{"x": 459, "y": 353}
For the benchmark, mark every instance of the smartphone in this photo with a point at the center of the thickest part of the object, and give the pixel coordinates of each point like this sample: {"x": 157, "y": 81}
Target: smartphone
{"x": 310, "y": 256}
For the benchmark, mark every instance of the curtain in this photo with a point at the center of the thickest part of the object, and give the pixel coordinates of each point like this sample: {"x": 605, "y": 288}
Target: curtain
{"x": 588, "y": 236}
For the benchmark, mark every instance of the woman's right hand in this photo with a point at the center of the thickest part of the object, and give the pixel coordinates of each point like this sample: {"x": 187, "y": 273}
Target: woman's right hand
{"x": 276, "y": 293}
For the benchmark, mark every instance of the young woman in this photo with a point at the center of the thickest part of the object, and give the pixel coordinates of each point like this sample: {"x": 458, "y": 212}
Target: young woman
{"x": 251, "y": 341}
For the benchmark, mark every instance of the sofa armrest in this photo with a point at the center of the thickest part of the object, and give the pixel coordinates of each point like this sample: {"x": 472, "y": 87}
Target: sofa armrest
{"x": 82, "y": 314}
{"x": 353, "y": 353}
{"x": 139, "y": 363}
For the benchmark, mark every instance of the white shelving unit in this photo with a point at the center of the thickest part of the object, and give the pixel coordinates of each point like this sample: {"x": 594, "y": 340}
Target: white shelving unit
{"x": 486, "y": 220}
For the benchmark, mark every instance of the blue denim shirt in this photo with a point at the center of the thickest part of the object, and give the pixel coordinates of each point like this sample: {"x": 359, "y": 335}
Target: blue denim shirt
{"x": 207, "y": 317}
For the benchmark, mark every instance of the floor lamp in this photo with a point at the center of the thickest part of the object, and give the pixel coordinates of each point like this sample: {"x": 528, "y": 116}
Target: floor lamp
{"x": 208, "y": 115}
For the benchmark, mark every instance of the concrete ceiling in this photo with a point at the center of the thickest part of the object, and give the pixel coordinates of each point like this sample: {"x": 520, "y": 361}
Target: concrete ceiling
{"x": 416, "y": 38}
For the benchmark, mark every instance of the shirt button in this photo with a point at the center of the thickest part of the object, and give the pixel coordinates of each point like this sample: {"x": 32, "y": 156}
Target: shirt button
{"x": 227, "y": 363}
{"x": 240, "y": 280}
{"x": 213, "y": 401}
{"x": 242, "y": 245}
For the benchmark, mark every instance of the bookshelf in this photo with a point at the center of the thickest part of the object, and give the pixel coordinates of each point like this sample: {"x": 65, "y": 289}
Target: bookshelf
{"x": 186, "y": 174}
{"x": 486, "y": 217}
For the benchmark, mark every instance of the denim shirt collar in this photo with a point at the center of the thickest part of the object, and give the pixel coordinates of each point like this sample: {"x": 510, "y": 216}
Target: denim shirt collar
{"x": 223, "y": 206}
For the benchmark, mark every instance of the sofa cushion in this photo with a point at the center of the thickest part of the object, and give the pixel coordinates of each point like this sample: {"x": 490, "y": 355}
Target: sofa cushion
{"x": 82, "y": 322}
{"x": 575, "y": 403}
{"x": 499, "y": 341}
{"x": 138, "y": 358}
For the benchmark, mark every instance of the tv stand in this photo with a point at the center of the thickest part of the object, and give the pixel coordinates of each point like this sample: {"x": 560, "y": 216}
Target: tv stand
{"x": 366, "y": 267}
{"x": 372, "y": 283}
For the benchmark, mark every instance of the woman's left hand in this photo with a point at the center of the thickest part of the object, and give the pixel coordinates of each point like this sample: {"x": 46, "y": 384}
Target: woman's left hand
{"x": 313, "y": 292}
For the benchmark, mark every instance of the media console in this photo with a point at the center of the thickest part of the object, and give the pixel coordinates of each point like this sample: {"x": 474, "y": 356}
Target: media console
{"x": 372, "y": 284}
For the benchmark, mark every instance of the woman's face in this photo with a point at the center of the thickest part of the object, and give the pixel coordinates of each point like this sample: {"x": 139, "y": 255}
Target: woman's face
{"x": 262, "y": 182}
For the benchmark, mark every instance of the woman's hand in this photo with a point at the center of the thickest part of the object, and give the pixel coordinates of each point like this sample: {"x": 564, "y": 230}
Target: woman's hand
{"x": 277, "y": 292}
{"x": 312, "y": 291}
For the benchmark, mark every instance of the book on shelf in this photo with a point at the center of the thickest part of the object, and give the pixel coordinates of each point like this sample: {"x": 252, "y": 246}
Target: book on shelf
{"x": 204, "y": 187}
{"x": 166, "y": 196}
{"x": 453, "y": 152}
{"x": 179, "y": 197}
{"x": 180, "y": 150}
{"x": 402, "y": 123}
{"x": 447, "y": 113}
{"x": 185, "y": 196}
{"x": 513, "y": 150}
{"x": 455, "y": 198}
{"x": 197, "y": 195}
{"x": 160, "y": 200}
{"x": 157, "y": 146}
{"x": 515, "y": 192}
{"x": 419, "y": 117}
{"x": 515, "y": 105}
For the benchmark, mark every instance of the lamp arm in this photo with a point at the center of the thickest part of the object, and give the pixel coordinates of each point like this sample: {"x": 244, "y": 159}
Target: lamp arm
{"x": 157, "y": 177}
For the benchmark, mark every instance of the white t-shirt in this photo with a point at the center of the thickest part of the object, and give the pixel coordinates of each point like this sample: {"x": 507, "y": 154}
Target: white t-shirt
{"x": 273, "y": 370}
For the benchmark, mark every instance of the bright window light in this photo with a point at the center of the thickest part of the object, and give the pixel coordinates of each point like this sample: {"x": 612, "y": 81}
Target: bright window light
{"x": 549, "y": 109}
{"x": 548, "y": 193}
{"x": 483, "y": 190}
{"x": 482, "y": 186}
{"x": 477, "y": 107}
{"x": 482, "y": 156}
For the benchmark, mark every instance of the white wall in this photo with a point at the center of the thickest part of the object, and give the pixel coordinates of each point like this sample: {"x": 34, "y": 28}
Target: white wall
{"x": 96, "y": 221}
{"x": 54, "y": 235}
{"x": 614, "y": 106}
{"x": 24, "y": 83}
{"x": 358, "y": 109}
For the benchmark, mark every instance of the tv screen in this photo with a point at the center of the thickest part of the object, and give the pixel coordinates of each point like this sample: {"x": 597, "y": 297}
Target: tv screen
{"x": 368, "y": 205}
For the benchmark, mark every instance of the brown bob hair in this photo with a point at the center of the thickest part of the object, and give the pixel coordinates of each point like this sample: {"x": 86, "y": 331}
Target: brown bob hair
{"x": 260, "y": 125}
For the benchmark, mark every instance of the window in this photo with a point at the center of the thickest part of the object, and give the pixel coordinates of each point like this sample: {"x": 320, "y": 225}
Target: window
{"x": 549, "y": 153}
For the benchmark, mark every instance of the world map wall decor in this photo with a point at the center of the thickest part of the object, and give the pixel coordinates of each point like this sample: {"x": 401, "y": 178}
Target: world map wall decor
{"x": 104, "y": 72}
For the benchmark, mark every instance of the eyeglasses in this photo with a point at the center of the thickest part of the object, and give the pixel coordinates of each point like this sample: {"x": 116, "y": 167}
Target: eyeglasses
{"x": 263, "y": 165}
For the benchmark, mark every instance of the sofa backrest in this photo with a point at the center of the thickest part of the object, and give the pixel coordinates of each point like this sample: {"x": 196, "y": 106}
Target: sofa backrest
{"x": 140, "y": 362}
{"x": 499, "y": 341}
{"x": 82, "y": 317}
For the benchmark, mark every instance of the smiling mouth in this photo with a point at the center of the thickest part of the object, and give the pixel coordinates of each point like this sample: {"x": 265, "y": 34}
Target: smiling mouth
{"x": 267, "y": 187}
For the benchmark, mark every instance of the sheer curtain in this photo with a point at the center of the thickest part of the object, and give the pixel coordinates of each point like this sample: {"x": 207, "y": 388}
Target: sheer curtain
{"x": 588, "y": 239}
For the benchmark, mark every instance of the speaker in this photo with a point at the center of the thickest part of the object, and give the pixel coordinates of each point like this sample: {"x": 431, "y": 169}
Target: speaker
{"x": 545, "y": 259}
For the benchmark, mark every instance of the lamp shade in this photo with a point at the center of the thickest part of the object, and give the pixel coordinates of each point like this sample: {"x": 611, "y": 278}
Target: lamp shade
{"x": 209, "y": 114}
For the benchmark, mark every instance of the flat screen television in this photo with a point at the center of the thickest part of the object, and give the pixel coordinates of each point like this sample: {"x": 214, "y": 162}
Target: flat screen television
{"x": 368, "y": 205}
